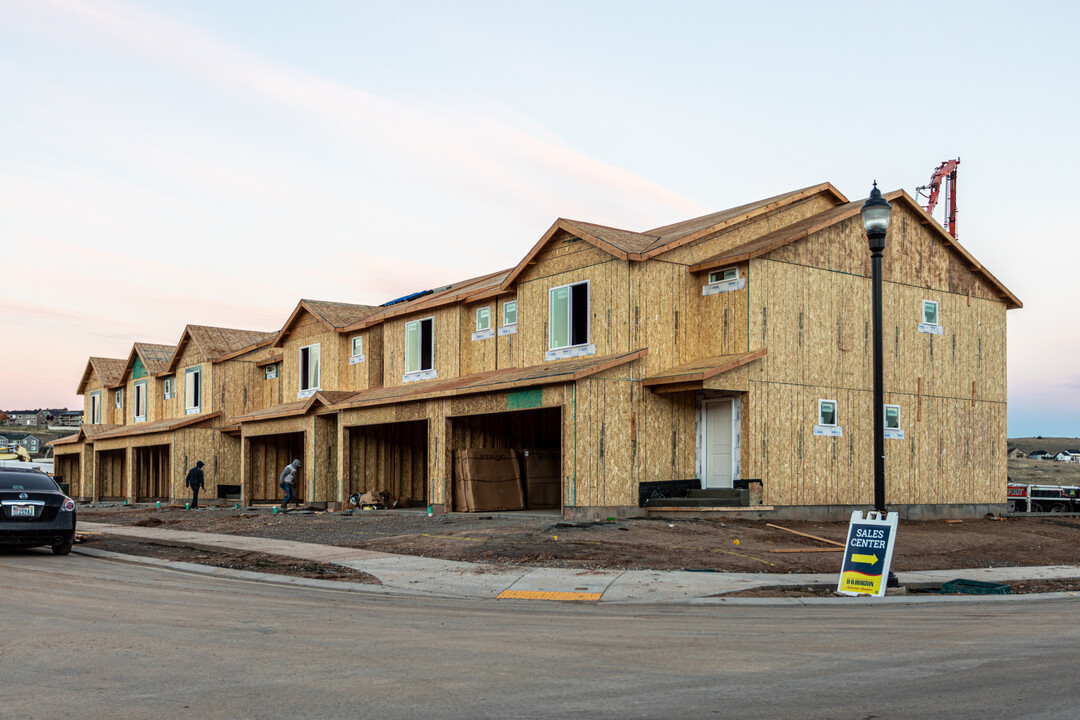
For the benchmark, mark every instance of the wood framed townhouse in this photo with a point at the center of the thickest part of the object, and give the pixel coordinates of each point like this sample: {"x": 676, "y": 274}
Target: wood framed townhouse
{"x": 725, "y": 349}
{"x": 73, "y": 455}
{"x": 182, "y": 398}
{"x": 312, "y": 362}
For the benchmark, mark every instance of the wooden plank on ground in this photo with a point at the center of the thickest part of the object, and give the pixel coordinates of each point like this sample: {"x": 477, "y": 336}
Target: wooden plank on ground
{"x": 806, "y": 535}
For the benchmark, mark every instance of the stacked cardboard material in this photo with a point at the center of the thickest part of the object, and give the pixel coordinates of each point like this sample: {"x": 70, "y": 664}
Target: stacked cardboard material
{"x": 541, "y": 471}
{"x": 487, "y": 479}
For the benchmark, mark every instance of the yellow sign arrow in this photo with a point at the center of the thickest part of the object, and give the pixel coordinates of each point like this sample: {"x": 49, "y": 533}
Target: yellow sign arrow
{"x": 868, "y": 559}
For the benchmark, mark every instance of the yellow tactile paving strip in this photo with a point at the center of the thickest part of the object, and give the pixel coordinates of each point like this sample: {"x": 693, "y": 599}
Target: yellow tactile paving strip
{"x": 544, "y": 595}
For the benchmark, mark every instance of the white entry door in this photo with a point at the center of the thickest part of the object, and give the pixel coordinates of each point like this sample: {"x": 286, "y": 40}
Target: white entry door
{"x": 719, "y": 443}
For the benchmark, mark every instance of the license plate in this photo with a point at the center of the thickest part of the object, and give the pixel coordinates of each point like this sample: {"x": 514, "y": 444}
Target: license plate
{"x": 22, "y": 511}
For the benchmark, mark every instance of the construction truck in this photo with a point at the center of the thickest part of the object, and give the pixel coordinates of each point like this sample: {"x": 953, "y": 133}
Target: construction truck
{"x": 1043, "y": 498}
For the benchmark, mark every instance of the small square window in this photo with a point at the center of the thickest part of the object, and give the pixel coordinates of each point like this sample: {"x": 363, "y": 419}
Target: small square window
{"x": 930, "y": 312}
{"x": 510, "y": 313}
{"x": 270, "y": 372}
{"x": 892, "y": 417}
{"x": 358, "y": 346}
{"x": 483, "y": 319}
{"x": 731, "y": 273}
{"x": 826, "y": 412}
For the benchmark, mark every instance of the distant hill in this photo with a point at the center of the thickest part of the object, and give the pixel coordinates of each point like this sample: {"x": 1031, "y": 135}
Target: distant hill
{"x": 1049, "y": 444}
{"x": 1049, "y": 472}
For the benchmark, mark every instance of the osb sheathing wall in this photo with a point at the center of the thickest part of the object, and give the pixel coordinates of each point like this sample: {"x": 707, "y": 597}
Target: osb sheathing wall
{"x": 309, "y": 330}
{"x": 508, "y": 347}
{"x": 93, "y": 385}
{"x": 478, "y": 355}
{"x": 815, "y": 322}
{"x": 366, "y": 373}
{"x": 564, "y": 261}
{"x": 191, "y": 358}
{"x": 446, "y": 357}
{"x": 219, "y": 453}
{"x": 240, "y": 386}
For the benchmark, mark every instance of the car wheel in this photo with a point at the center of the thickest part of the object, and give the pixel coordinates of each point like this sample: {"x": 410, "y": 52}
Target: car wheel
{"x": 64, "y": 549}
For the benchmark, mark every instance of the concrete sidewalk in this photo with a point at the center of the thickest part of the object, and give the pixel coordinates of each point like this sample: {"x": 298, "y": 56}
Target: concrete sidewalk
{"x": 448, "y": 578}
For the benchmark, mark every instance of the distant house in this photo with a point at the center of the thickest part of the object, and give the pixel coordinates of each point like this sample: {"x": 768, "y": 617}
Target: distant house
{"x": 31, "y": 443}
{"x": 26, "y": 417}
{"x": 1068, "y": 456}
{"x": 69, "y": 418}
{"x": 1039, "y": 455}
{"x": 1016, "y": 452}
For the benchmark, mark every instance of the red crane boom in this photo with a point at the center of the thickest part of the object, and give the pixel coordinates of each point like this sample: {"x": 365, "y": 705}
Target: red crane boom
{"x": 945, "y": 173}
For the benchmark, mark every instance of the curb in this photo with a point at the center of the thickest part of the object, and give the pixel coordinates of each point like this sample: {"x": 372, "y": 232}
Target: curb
{"x": 384, "y": 591}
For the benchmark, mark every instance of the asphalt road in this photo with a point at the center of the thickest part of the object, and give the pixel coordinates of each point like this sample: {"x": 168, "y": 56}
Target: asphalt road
{"x": 87, "y": 638}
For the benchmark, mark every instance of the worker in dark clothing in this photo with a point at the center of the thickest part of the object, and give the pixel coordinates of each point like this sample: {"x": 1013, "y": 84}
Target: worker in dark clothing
{"x": 195, "y": 481}
{"x": 287, "y": 480}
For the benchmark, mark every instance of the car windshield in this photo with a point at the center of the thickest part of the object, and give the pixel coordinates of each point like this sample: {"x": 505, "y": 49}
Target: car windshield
{"x": 26, "y": 481}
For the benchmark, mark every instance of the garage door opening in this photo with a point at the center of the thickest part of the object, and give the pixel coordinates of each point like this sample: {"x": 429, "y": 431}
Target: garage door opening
{"x": 153, "y": 473}
{"x": 538, "y": 432}
{"x": 389, "y": 458}
{"x": 68, "y": 470}
{"x": 110, "y": 475}
{"x": 267, "y": 457}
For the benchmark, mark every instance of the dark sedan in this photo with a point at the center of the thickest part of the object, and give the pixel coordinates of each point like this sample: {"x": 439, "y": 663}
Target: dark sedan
{"x": 34, "y": 511}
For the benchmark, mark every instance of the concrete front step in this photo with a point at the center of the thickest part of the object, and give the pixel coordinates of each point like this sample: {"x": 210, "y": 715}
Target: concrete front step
{"x": 697, "y": 502}
{"x": 724, "y": 493}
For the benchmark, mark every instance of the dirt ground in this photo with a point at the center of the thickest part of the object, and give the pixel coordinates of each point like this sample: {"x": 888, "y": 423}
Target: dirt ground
{"x": 726, "y": 545}
{"x": 234, "y": 560}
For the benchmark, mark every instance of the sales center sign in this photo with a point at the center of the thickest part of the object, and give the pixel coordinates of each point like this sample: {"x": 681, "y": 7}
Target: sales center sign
{"x": 868, "y": 554}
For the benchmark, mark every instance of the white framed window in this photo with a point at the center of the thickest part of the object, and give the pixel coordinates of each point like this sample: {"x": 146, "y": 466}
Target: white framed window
{"x": 356, "y": 349}
{"x": 270, "y": 372}
{"x": 892, "y": 423}
{"x": 930, "y": 312}
{"x": 167, "y": 385}
{"x": 192, "y": 390}
{"x": 568, "y": 321}
{"x": 509, "y": 313}
{"x": 95, "y": 408}
{"x": 827, "y": 419}
{"x": 731, "y": 273}
{"x": 140, "y": 402}
{"x": 310, "y": 371}
{"x": 118, "y": 399}
{"x": 826, "y": 410}
{"x": 483, "y": 318}
{"x": 420, "y": 349}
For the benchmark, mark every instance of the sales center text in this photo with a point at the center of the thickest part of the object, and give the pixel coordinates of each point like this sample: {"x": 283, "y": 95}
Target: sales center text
{"x": 869, "y": 538}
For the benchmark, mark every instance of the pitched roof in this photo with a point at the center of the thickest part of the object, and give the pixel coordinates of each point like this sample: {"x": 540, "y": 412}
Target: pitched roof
{"x": 476, "y": 288}
{"x": 109, "y": 372}
{"x": 628, "y": 245}
{"x": 491, "y": 381}
{"x": 703, "y": 368}
{"x": 217, "y": 344}
{"x": 323, "y": 398}
{"x": 799, "y": 230}
{"x": 86, "y": 432}
{"x": 335, "y": 316}
{"x": 155, "y": 358}
{"x": 155, "y": 427}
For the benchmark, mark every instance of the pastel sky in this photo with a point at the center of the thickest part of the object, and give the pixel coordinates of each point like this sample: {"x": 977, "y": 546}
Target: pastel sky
{"x": 210, "y": 162}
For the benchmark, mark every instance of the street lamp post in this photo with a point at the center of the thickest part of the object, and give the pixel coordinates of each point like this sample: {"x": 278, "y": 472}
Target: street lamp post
{"x": 875, "y": 216}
